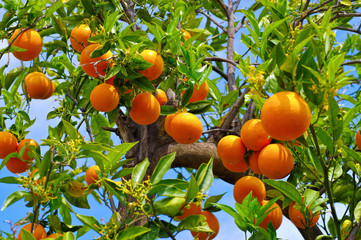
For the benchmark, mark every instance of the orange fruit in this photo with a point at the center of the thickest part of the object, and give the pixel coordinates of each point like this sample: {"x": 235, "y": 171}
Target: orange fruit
{"x": 38, "y": 232}
{"x": 91, "y": 175}
{"x": 240, "y": 166}
{"x": 51, "y": 91}
{"x": 186, "y": 35}
{"x": 230, "y": 149}
{"x": 199, "y": 93}
{"x": 15, "y": 165}
{"x": 253, "y": 162}
{"x": 54, "y": 235}
{"x": 253, "y": 135}
{"x": 27, "y": 142}
{"x": 358, "y": 139}
{"x": 8, "y": 144}
{"x": 79, "y": 37}
{"x": 30, "y": 40}
{"x": 248, "y": 184}
{"x": 275, "y": 161}
{"x": 94, "y": 67}
{"x": 161, "y": 97}
{"x": 145, "y": 109}
{"x": 167, "y": 123}
{"x": 104, "y": 97}
{"x": 299, "y": 220}
{"x": 37, "y": 85}
{"x": 190, "y": 209}
{"x": 285, "y": 116}
{"x": 213, "y": 224}
{"x": 156, "y": 70}
{"x": 275, "y": 216}
{"x": 186, "y": 128}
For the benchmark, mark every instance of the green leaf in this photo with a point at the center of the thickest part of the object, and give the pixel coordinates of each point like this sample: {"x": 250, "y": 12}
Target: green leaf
{"x": 240, "y": 222}
{"x": 192, "y": 190}
{"x": 162, "y": 167}
{"x": 97, "y": 122}
{"x": 352, "y": 154}
{"x": 326, "y": 18}
{"x": 186, "y": 96}
{"x": 101, "y": 51}
{"x": 9, "y": 180}
{"x": 14, "y": 197}
{"x": 70, "y": 129}
{"x": 139, "y": 172}
{"x": 286, "y": 188}
{"x": 80, "y": 202}
{"x": 113, "y": 188}
{"x": 88, "y": 6}
{"x": 132, "y": 232}
{"x": 336, "y": 123}
{"x": 110, "y": 21}
{"x": 357, "y": 212}
{"x": 205, "y": 176}
{"x": 211, "y": 200}
{"x": 89, "y": 221}
{"x": 17, "y": 83}
{"x": 26, "y": 235}
{"x": 53, "y": 7}
{"x": 325, "y": 139}
{"x": 68, "y": 236}
{"x": 169, "y": 206}
{"x": 196, "y": 223}
{"x": 119, "y": 151}
{"x": 144, "y": 84}
{"x": 54, "y": 222}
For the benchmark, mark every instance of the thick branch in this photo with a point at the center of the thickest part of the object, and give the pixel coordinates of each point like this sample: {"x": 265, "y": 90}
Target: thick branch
{"x": 193, "y": 155}
{"x": 234, "y": 110}
{"x": 355, "y": 230}
{"x": 345, "y": 14}
{"x": 357, "y": 61}
{"x": 212, "y": 19}
{"x": 348, "y": 29}
{"x": 220, "y": 72}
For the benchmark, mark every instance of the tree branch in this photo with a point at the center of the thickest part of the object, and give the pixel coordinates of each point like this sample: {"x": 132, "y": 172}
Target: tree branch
{"x": 357, "y": 61}
{"x": 234, "y": 110}
{"x": 348, "y": 29}
{"x": 345, "y": 14}
{"x": 219, "y": 59}
{"x": 220, "y": 72}
{"x": 212, "y": 19}
{"x": 224, "y": 6}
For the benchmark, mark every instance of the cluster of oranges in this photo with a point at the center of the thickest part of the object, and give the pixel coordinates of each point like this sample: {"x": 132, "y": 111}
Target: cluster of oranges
{"x": 285, "y": 116}
{"x": 9, "y": 144}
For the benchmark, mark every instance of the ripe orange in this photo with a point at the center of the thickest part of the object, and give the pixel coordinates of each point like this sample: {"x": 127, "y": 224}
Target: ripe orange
{"x": 161, "y": 97}
{"x": 167, "y": 123}
{"x": 212, "y": 223}
{"x": 240, "y": 166}
{"x": 8, "y": 144}
{"x": 39, "y": 231}
{"x": 275, "y": 161}
{"x": 91, "y": 175}
{"x": 199, "y": 93}
{"x": 30, "y": 40}
{"x": 186, "y": 35}
{"x": 145, "y": 109}
{"x": 186, "y": 128}
{"x": 156, "y": 70}
{"x": 54, "y": 235}
{"x": 358, "y": 139}
{"x": 285, "y": 116}
{"x": 51, "y": 91}
{"x": 94, "y": 67}
{"x": 15, "y": 165}
{"x": 275, "y": 216}
{"x": 37, "y": 85}
{"x": 299, "y": 220}
{"x": 104, "y": 97}
{"x": 27, "y": 142}
{"x": 190, "y": 209}
{"x": 253, "y": 135}
{"x": 230, "y": 149}
{"x": 253, "y": 162}
{"x": 79, "y": 37}
{"x": 248, "y": 184}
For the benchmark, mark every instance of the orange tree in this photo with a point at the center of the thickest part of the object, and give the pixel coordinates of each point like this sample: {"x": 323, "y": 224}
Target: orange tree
{"x": 307, "y": 51}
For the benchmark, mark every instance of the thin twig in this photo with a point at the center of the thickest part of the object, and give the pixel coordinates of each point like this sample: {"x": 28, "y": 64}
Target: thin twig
{"x": 345, "y": 14}
{"x": 224, "y": 6}
{"x": 348, "y": 29}
{"x": 219, "y": 59}
{"x": 212, "y": 19}
{"x": 357, "y": 61}
{"x": 220, "y": 72}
